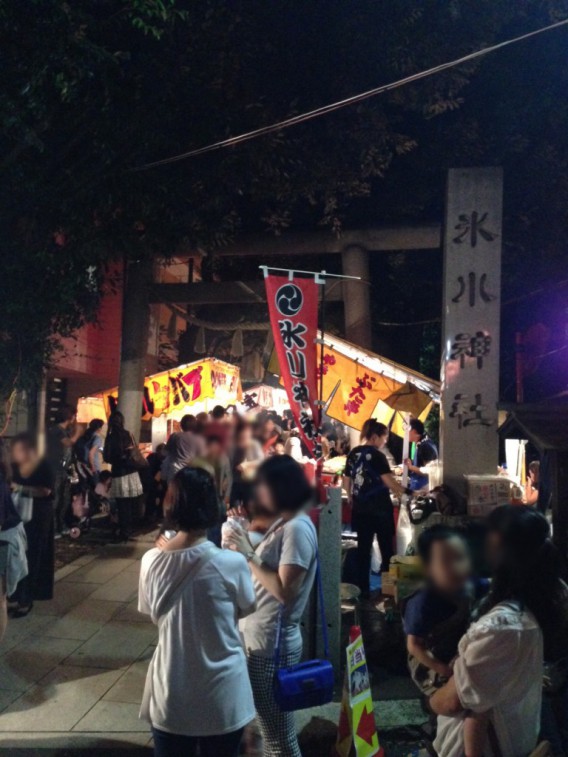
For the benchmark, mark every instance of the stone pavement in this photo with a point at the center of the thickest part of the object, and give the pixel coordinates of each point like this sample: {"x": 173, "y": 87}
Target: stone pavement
{"x": 72, "y": 672}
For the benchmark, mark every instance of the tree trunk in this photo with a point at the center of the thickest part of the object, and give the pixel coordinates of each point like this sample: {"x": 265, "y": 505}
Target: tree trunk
{"x": 134, "y": 345}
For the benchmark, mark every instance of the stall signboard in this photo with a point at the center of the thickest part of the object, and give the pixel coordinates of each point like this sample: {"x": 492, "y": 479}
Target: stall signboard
{"x": 472, "y": 301}
{"x": 357, "y": 732}
{"x": 264, "y": 397}
{"x": 357, "y": 385}
{"x": 184, "y": 386}
{"x": 293, "y": 308}
{"x": 356, "y": 389}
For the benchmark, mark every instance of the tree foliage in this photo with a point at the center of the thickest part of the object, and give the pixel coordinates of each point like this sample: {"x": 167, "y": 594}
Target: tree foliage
{"x": 95, "y": 89}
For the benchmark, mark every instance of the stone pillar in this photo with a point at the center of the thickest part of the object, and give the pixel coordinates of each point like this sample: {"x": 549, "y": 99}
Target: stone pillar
{"x": 471, "y": 322}
{"x": 134, "y": 345}
{"x": 357, "y": 297}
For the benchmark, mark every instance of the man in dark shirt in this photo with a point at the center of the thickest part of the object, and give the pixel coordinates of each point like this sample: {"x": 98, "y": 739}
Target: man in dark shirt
{"x": 60, "y": 439}
{"x": 182, "y": 448}
{"x": 425, "y": 452}
{"x": 368, "y": 481}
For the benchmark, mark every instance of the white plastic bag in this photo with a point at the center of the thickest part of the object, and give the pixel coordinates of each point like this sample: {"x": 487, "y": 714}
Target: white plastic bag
{"x": 404, "y": 530}
{"x": 24, "y": 505}
{"x": 376, "y": 558}
{"x": 233, "y": 523}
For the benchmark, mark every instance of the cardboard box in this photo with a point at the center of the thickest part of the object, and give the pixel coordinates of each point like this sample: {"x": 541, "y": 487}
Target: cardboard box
{"x": 480, "y": 511}
{"x": 407, "y": 568}
{"x": 488, "y": 490}
{"x": 388, "y": 584}
{"x": 484, "y": 493}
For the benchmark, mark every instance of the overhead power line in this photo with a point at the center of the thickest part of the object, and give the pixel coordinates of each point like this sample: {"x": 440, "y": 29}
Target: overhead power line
{"x": 325, "y": 109}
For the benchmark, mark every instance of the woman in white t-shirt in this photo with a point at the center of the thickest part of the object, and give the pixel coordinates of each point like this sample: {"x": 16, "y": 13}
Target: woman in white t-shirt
{"x": 499, "y": 670}
{"x": 283, "y": 567}
{"x": 197, "y": 697}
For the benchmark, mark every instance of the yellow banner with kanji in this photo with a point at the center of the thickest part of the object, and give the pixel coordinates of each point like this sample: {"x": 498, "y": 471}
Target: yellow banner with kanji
{"x": 357, "y": 389}
{"x": 184, "y": 386}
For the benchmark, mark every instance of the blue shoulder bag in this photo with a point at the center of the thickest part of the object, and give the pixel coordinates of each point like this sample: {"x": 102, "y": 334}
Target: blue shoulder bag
{"x": 309, "y": 683}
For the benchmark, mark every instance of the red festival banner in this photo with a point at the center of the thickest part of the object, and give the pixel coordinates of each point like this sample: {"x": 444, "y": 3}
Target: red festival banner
{"x": 293, "y": 309}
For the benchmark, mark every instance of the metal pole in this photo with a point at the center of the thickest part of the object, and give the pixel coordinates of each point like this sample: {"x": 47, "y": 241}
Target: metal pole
{"x": 322, "y": 332}
{"x": 292, "y": 271}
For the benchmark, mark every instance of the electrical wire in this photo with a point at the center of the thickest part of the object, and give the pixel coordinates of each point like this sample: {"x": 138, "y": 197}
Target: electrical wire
{"x": 331, "y": 107}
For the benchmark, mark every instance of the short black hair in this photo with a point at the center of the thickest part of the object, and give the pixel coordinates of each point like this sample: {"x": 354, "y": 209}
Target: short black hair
{"x": 65, "y": 413}
{"x": 287, "y": 482}
{"x": 188, "y": 423}
{"x": 417, "y": 425}
{"x": 104, "y": 475}
{"x": 434, "y": 534}
{"x": 194, "y": 505}
{"x": 218, "y": 412}
{"x": 96, "y": 424}
{"x": 26, "y": 439}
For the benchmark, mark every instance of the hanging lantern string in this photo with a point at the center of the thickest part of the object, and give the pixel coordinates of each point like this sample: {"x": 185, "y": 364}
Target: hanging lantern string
{"x": 331, "y": 107}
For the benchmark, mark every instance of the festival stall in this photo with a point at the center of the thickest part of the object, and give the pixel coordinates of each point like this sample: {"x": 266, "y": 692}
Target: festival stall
{"x": 169, "y": 395}
{"x": 263, "y": 397}
{"x": 358, "y": 384}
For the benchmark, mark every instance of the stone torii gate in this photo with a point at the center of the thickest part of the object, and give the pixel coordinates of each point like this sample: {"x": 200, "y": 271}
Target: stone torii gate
{"x": 354, "y": 248}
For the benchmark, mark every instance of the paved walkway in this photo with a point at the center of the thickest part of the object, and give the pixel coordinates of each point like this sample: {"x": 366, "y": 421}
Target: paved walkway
{"x": 72, "y": 672}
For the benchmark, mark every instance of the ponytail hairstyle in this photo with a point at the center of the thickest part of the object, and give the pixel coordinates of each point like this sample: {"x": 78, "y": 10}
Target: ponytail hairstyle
{"x": 372, "y": 427}
{"x": 529, "y": 570}
{"x": 95, "y": 425}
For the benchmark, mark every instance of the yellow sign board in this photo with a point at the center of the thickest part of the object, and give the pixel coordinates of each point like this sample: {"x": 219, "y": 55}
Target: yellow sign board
{"x": 181, "y": 387}
{"x": 357, "y": 733}
{"x": 356, "y": 390}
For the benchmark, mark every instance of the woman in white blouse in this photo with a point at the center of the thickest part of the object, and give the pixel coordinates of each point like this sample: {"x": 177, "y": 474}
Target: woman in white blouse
{"x": 198, "y": 697}
{"x": 499, "y": 669}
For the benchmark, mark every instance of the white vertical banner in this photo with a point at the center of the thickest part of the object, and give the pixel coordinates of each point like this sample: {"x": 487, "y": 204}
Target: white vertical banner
{"x": 471, "y": 323}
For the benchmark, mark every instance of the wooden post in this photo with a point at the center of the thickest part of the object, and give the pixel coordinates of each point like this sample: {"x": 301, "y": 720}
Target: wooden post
{"x": 134, "y": 345}
{"x": 471, "y": 308}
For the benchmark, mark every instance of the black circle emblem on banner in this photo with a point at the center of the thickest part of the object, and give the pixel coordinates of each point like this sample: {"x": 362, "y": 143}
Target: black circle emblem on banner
{"x": 289, "y": 299}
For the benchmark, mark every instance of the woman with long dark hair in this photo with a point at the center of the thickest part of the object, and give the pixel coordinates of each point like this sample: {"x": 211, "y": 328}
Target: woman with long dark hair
{"x": 499, "y": 670}
{"x": 283, "y": 566}
{"x": 126, "y": 487}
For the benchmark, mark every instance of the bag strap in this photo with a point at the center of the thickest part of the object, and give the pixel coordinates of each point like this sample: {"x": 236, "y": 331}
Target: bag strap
{"x": 323, "y": 618}
{"x": 200, "y": 563}
{"x": 493, "y": 740}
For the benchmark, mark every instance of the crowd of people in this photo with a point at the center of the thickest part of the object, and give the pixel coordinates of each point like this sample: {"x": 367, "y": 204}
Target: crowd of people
{"x": 102, "y": 463}
{"x": 490, "y": 657}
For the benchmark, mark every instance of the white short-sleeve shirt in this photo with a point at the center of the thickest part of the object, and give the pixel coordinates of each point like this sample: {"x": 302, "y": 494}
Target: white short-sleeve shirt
{"x": 499, "y": 669}
{"x": 197, "y": 682}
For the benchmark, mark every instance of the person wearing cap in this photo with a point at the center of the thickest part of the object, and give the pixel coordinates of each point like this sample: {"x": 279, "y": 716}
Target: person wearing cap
{"x": 425, "y": 451}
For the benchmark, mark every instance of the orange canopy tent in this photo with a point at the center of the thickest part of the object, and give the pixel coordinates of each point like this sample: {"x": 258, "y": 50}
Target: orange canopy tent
{"x": 358, "y": 384}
